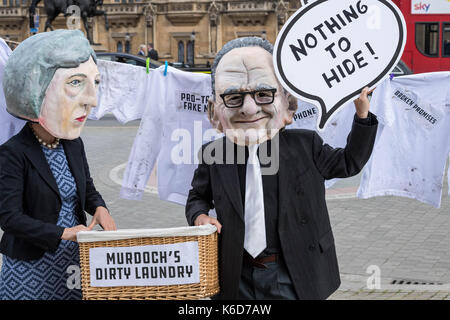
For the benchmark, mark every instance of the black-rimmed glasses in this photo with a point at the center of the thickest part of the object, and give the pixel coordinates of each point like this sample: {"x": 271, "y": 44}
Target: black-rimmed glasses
{"x": 236, "y": 99}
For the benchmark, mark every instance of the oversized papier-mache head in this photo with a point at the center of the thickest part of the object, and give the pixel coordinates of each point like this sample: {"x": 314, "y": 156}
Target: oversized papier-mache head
{"x": 52, "y": 78}
{"x": 248, "y": 104}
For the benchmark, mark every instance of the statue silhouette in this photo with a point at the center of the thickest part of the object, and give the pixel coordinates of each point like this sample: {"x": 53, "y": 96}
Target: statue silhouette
{"x": 88, "y": 9}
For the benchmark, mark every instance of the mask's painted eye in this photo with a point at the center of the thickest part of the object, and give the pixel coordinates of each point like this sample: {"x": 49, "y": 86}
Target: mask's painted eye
{"x": 75, "y": 82}
{"x": 264, "y": 96}
{"x": 97, "y": 82}
{"x": 233, "y": 99}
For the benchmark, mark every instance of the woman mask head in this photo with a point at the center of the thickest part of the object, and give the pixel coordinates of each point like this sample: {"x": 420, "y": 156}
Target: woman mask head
{"x": 52, "y": 78}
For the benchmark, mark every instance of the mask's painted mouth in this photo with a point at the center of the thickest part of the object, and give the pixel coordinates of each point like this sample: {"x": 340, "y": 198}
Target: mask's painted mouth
{"x": 250, "y": 121}
{"x": 81, "y": 119}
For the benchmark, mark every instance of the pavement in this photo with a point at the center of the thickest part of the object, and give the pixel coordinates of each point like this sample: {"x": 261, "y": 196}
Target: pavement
{"x": 388, "y": 247}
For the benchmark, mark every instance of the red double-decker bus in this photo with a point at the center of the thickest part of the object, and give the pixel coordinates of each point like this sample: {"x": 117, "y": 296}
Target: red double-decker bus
{"x": 428, "y": 43}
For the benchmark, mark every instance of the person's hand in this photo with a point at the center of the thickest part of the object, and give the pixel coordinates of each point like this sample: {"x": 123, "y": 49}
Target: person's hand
{"x": 205, "y": 219}
{"x": 71, "y": 233}
{"x": 104, "y": 219}
{"x": 362, "y": 103}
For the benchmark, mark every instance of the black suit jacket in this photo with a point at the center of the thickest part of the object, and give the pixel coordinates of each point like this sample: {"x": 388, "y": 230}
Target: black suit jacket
{"x": 304, "y": 227}
{"x": 29, "y": 197}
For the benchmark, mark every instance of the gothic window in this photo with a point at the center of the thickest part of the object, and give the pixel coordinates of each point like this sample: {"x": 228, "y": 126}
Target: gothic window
{"x": 190, "y": 53}
{"x": 181, "y": 51}
{"x": 119, "y": 46}
{"x": 127, "y": 46}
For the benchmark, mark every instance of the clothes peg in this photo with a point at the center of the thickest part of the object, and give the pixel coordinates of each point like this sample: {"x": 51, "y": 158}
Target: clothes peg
{"x": 147, "y": 64}
{"x": 165, "y": 68}
{"x": 391, "y": 76}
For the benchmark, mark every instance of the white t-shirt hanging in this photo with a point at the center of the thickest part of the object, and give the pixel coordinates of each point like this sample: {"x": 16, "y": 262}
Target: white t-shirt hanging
{"x": 448, "y": 175}
{"x": 413, "y": 140}
{"x": 123, "y": 91}
{"x": 448, "y": 172}
{"x": 9, "y": 125}
{"x": 173, "y": 128}
{"x": 336, "y": 131}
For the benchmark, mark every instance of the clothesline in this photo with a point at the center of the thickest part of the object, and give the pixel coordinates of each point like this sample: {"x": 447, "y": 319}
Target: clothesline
{"x": 173, "y": 110}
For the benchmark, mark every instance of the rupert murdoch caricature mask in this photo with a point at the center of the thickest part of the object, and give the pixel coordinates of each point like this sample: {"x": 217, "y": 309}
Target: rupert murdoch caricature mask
{"x": 249, "y": 104}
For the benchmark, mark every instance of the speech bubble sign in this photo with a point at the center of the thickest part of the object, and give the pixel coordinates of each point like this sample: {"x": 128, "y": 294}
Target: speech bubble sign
{"x": 328, "y": 51}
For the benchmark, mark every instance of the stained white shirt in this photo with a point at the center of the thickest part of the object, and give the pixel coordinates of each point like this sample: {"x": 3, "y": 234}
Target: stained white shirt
{"x": 9, "y": 125}
{"x": 173, "y": 128}
{"x": 123, "y": 91}
{"x": 336, "y": 131}
{"x": 413, "y": 138}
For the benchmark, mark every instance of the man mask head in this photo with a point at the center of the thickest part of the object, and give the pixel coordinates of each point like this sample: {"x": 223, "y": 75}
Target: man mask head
{"x": 249, "y": 104}
{"x": 52, "y": 78}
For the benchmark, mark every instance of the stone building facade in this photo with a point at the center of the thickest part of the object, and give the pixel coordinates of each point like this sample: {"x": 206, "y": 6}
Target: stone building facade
{"x": 188, "y": 31}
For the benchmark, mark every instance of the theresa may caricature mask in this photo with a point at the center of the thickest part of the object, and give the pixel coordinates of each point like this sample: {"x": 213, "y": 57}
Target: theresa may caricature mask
{"x": 52, "y": 78}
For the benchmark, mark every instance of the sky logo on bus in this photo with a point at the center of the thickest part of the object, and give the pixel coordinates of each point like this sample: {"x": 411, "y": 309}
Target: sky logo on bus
{"x": 422, "y": 6}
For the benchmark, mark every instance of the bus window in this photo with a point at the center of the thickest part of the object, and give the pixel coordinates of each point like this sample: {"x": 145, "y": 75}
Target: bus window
{"x": 446, "y": 39}
{"x": 427, "y": 38}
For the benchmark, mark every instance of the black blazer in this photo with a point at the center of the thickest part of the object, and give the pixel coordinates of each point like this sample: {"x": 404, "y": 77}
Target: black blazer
{"x": 304, "y": 227}
{"x": 29, "y": 197}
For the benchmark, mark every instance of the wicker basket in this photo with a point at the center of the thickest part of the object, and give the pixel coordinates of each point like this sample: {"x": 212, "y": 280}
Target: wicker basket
{"x": 206, "y": 236}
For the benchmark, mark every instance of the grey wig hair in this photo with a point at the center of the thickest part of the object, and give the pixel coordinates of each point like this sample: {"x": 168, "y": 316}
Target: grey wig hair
{"x": 32, "y": 65}
{"x": 233, "y": 44}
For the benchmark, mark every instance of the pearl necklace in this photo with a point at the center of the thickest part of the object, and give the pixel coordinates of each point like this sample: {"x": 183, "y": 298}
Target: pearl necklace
{"x": 45, "y": 144}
